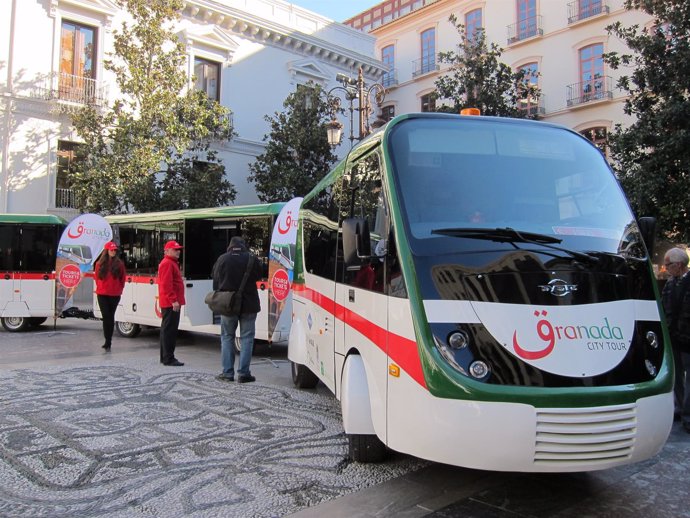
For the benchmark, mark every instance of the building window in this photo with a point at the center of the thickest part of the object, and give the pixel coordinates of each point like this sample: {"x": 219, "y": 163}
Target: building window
{"x": 592, "y": 72}
{"x": 597, "y": 136}
{"x": 77, "y": 63}
{"x": 428, "y": 103}
{"x": 473, "y": 21}
{"x": 66, "y": 164}
{"x": 527, "y": 18}
{"x": 428, "y": 42}
{"x": 207, "y": 74}
{"x": 388, "y": 59}
{"x": 528, "y": 103}
{"x": 387, "y": 113}
{"x": 587, "y": 8}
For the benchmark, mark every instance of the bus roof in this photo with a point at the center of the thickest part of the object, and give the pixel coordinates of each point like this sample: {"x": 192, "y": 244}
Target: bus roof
{"x": 42, "y": 219}
{"x": 267, "y": 209}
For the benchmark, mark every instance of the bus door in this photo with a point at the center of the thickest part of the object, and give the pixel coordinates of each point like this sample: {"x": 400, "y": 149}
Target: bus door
{"x": 34, "y": 282}
{"x": 197, "y": 264}
{"x": 360, "y": 294}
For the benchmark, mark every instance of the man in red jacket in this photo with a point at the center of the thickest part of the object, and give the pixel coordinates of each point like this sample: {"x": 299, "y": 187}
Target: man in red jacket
{"x": 170, "y": 300}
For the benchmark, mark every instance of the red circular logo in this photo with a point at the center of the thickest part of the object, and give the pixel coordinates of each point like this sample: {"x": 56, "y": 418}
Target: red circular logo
{"x": 70, "y": 276}
{"x": 280, "y": 285}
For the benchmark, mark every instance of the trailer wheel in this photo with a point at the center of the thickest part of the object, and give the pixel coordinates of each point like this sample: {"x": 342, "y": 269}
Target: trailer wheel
{"x": 127, "y": 329}
{"x": 36, "y": 321}
{"x": 15, "y": 324}
{"x": 366, "y": 448}
{"x": 302, "y": 377}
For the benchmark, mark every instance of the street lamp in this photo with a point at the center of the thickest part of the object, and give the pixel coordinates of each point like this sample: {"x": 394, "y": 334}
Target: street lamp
{"x": 359, "y": 97}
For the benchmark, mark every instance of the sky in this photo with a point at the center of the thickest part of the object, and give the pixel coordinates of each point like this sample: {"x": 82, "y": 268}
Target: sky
{"x": 338, "y": 10}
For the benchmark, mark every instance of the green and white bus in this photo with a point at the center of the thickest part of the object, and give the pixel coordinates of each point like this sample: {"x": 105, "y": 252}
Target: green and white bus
{"x": 205, "y": 234}
{"x": 28, "y": 247}
{"x": 476, "y": 291}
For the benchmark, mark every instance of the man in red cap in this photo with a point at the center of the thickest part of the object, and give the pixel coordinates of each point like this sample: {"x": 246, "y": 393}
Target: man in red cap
{"x": 170, "y": 300}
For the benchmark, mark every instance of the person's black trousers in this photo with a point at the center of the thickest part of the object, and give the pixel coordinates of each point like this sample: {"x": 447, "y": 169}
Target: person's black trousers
{"x": 108, "y": 305}
{"x": 171, "y": 319}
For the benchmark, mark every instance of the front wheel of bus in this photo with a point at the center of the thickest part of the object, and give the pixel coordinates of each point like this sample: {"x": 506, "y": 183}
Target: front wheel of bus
{"x": 127, "y": 329}
{"x": 15, "y": 324}
{"x": 366, "y": 448}
{"x": 302, "y": 377}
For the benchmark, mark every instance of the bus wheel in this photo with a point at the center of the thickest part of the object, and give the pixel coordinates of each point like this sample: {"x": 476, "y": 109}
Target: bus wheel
{"x": 302, "y": 377}
{"x": 238, "y": 344}
{"x": 36, "y": 321}
{"x": 366, "y": 448}
{"x": 15, "y": 324}
{"x": 127, "y": 329}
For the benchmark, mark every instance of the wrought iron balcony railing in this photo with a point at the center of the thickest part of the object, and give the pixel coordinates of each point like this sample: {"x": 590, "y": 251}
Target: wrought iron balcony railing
{"x": 390, "y": 78}
{"x": 424, "y": 66}
{"x": 65, "y": 199}
{"x": 532, "y": 106}
{"x": 524, "y": 29}
{"x": 581, "y": 9}
{"x": 73, "y": 89}
{"x": 597, "y": 89}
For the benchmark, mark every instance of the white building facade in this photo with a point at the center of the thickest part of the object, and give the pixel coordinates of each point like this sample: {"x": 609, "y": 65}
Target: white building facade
{"x": 248, "y": 54}
{"x": 562, "y": 40}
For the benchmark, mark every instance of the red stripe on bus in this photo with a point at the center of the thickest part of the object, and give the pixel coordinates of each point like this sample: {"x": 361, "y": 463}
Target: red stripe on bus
{"x": 27, "y": 276}
{"x": 401, "y": 350}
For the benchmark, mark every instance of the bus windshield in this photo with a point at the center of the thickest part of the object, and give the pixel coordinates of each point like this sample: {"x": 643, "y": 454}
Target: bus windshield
{"x": 501, "y": 178}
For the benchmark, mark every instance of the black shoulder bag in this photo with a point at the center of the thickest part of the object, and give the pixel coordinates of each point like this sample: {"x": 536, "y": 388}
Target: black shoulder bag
{"x": 229, "y": 303}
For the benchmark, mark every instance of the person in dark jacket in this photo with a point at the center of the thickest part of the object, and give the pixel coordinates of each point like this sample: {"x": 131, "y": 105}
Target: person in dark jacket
{"x": 170, "y": 299}
{"x": 227, "y": 276}
{"x": 110, "y": 281}
{"x": 676, "y": 301}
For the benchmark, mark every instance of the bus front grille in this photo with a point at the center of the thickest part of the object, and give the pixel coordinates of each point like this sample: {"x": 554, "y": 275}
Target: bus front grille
{"x": 568, "y": 437}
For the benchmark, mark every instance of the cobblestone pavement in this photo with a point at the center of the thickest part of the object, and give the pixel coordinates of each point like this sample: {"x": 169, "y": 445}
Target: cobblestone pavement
{"x": 122, "y": 435}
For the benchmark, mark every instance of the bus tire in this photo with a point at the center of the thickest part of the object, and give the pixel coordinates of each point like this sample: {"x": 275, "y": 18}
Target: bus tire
{"x": 127, "y": 329}
{"x": 302, "y": 377}
{"x": 366, "y": 448}
{"x": 15, "y": 324}
{"x": 37, "y": 321}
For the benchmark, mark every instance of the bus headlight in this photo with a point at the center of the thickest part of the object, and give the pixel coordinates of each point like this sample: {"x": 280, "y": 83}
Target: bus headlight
{"x": 458, "y": 340}
{"x": 479, "y": 369}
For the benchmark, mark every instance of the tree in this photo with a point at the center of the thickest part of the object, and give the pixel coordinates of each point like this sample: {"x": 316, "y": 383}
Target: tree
{"x": 297, "y": 154}
{"x": 478, "y": 79}
{"x": 151, "y": 150}
{"x": 651, "y": 156}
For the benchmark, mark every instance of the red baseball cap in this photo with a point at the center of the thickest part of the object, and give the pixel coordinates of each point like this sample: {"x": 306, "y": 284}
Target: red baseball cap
{"x": 110, "y": 245}
{"x": 172, "y": 245}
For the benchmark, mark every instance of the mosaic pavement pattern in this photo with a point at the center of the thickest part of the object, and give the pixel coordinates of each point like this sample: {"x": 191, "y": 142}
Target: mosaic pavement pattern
{"x": 89, "y": 441}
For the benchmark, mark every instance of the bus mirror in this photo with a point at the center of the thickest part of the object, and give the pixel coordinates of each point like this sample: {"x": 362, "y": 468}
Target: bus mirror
{"x": 647, "y": 227}
{"x": 356, "y": 241}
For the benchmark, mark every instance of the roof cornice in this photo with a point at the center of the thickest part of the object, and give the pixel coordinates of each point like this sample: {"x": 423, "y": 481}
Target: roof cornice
{"x": 266, "y": 32}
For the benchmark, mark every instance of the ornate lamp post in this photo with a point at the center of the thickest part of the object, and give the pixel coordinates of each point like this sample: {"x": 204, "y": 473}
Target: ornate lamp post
{"x": 359, "y": 98}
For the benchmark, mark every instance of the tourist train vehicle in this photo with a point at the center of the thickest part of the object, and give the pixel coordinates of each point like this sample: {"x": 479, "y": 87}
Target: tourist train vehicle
{"x": 476, "y": 291}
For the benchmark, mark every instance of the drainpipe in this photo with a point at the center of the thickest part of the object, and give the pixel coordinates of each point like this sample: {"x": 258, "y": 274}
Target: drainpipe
{"x": 9, "y": 104}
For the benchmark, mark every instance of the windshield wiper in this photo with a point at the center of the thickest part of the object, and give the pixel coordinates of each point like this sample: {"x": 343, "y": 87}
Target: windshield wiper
{"x": 512, "y": 236}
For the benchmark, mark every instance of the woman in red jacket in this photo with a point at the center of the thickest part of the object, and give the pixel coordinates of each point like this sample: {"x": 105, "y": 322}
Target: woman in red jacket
{"x": 110, "y": 281}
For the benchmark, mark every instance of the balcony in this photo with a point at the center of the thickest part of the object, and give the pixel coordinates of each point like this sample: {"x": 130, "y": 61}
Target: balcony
{"x": 525, "y": 29}
{"x": 580, "y": 10}
{"x": 73, "y": 89}
{"x": 532, "y": 107}
{"x": 65, "y": 199}
{"x": 424, "y": 66}
{"x": 390, "y": 78}
{"x": 597, "y": 89}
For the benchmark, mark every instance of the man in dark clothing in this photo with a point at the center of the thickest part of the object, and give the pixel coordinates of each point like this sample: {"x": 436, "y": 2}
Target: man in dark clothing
{"x": 676, "y": 301}
{"x": 227, "y": 276}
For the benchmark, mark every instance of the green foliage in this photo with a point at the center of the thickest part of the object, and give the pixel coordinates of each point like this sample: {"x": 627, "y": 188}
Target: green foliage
{"x": 652, "y": 155}
{"x": 478, "y": 79}
{"x": 139, "y": 153}
{"x": 297, "y": 154}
